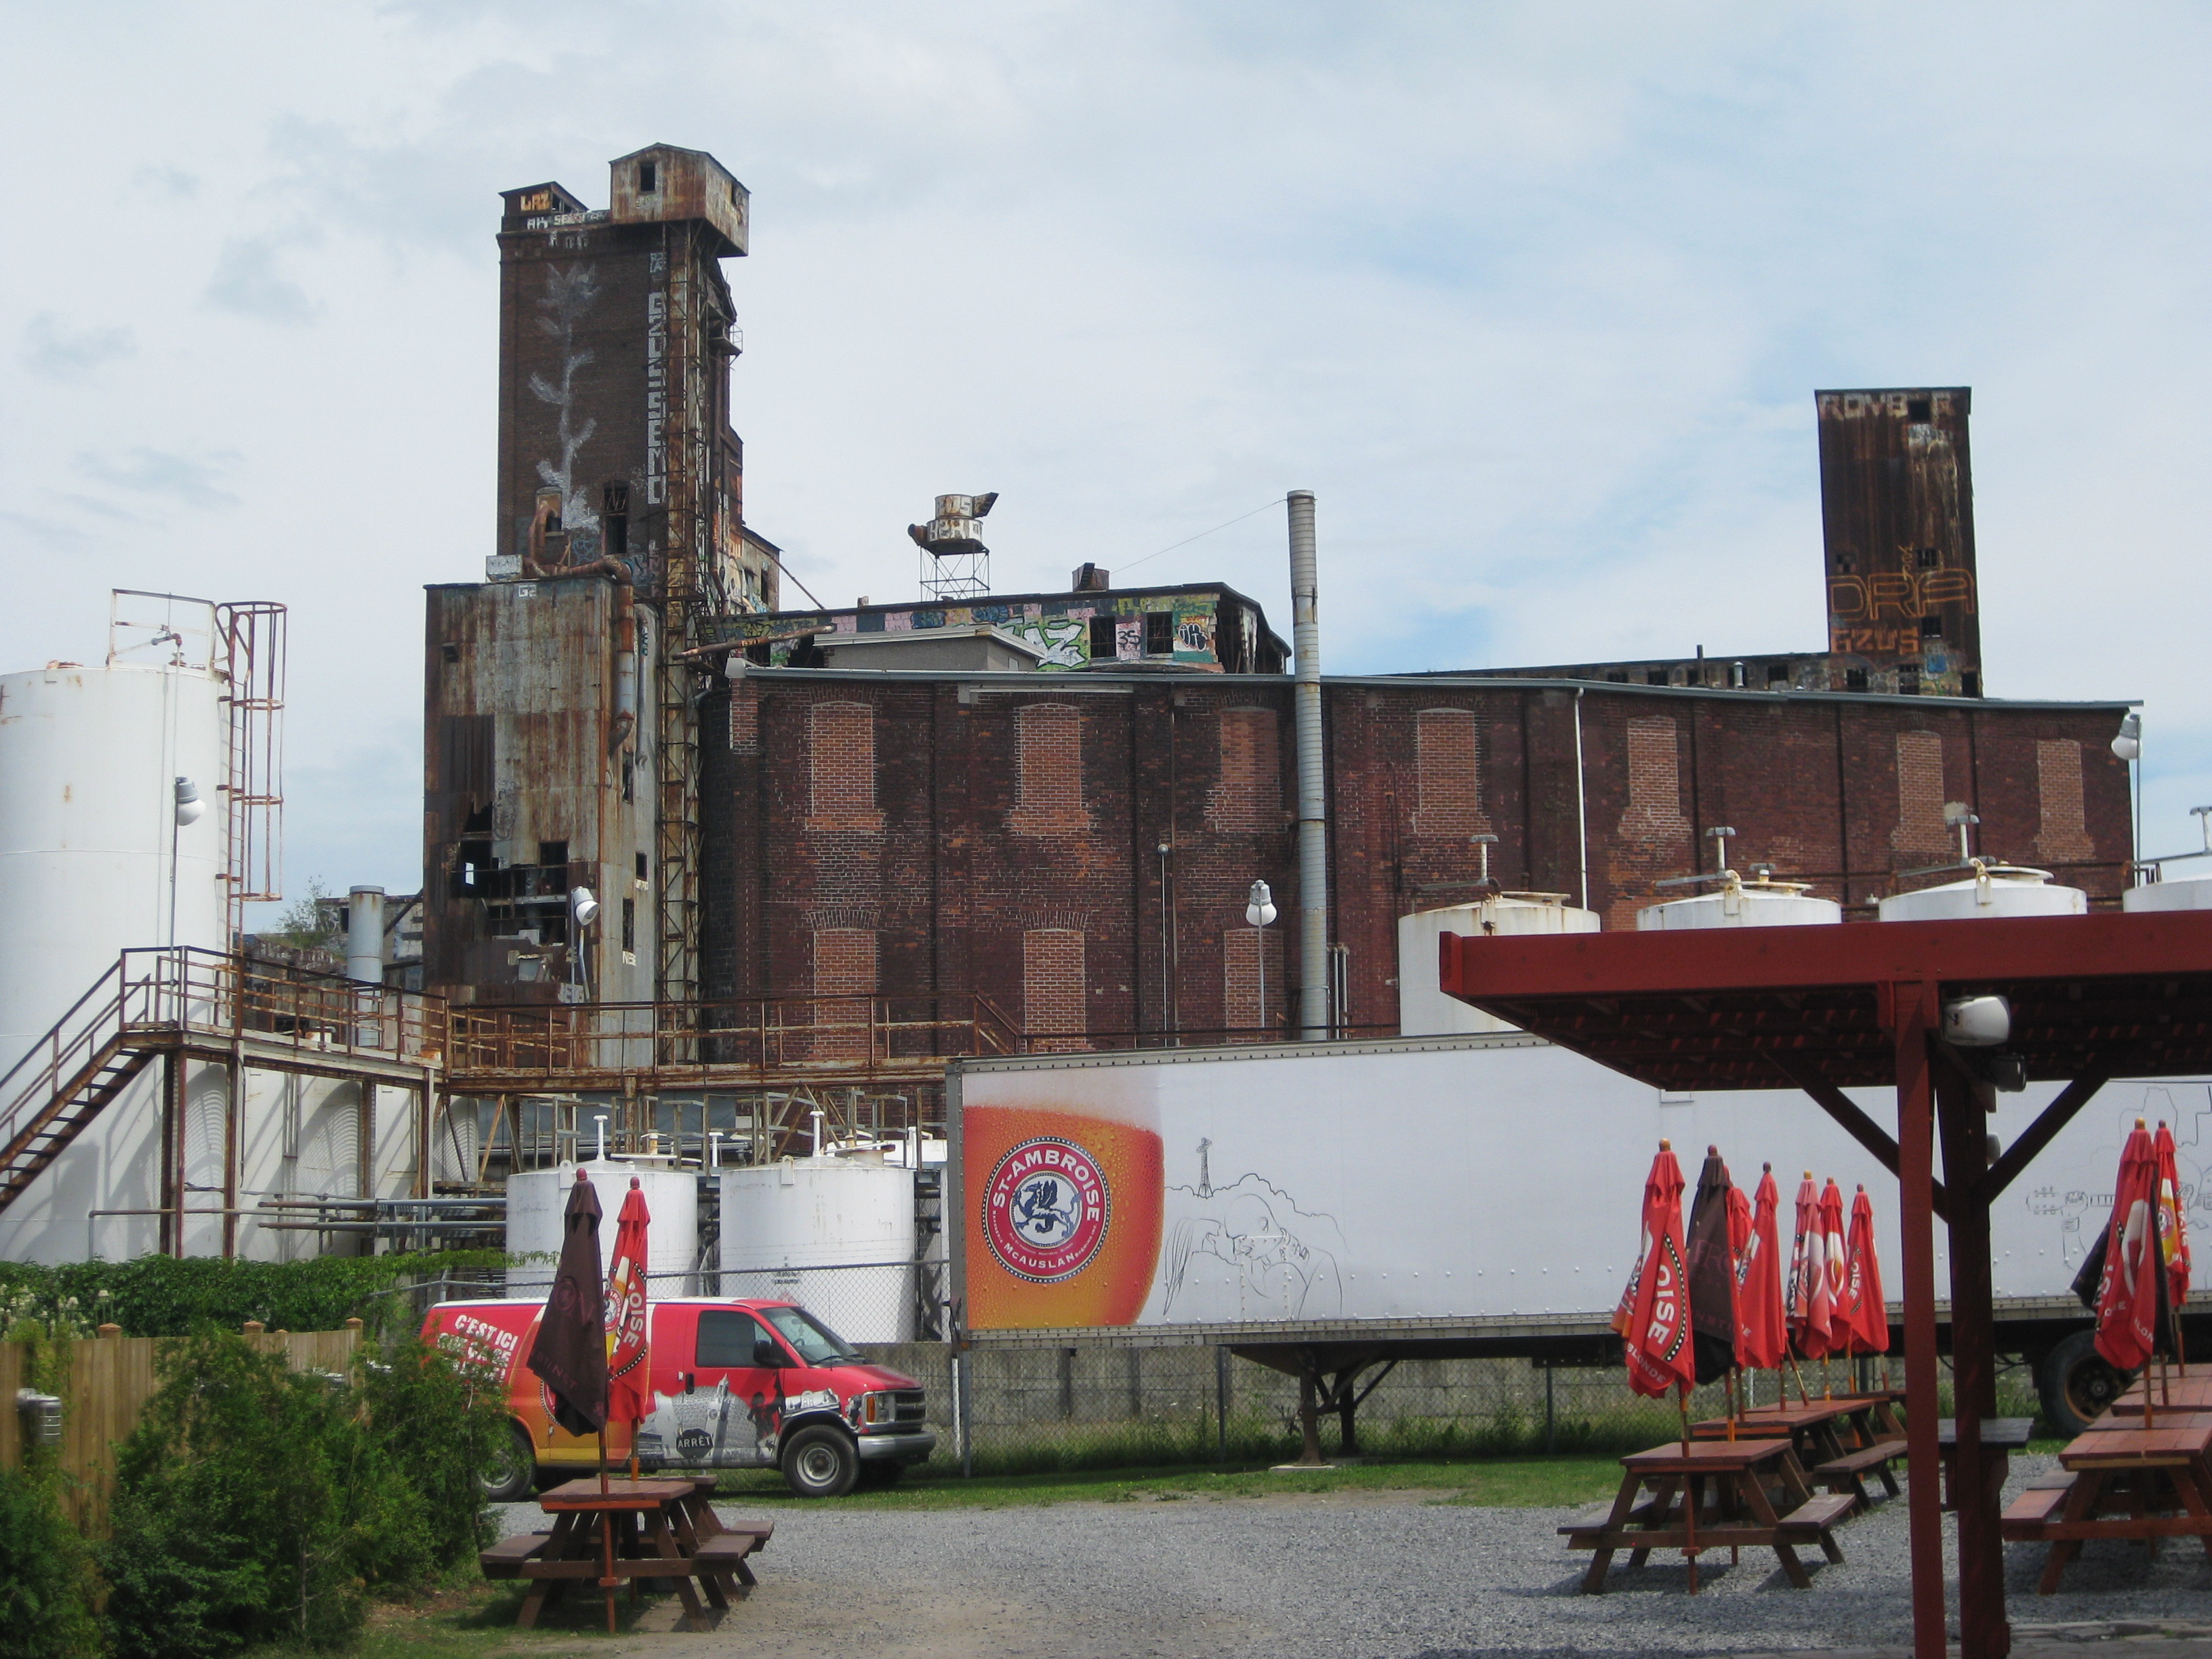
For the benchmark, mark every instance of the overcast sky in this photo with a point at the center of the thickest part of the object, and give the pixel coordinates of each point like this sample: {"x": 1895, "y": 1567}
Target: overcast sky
{"x": 1535, "y": 298}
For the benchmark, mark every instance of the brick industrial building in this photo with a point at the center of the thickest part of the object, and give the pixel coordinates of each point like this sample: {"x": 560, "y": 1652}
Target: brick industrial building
{"x": 1078, "y": 849}
{"x": 618, "y": 708}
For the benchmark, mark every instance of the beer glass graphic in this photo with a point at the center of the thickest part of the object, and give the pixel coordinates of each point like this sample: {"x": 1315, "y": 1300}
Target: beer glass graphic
{"x": 1061, "y": 1176}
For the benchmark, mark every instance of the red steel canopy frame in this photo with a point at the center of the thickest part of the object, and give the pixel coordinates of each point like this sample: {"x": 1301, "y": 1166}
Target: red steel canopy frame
{"x": 1824, "y": 1009}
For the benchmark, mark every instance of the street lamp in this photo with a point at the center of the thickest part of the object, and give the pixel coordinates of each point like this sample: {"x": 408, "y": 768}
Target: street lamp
{"x": 1259, "y": 911}
{"x": 2127, "y": 743}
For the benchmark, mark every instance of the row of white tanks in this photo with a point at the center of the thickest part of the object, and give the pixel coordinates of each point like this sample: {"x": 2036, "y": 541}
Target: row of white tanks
{"x": 1990, "y": 890}
{"x": 836, "y": 1235}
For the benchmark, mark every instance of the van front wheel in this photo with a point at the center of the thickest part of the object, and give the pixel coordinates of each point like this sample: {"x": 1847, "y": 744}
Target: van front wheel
{"x": 820, "y": 1463}
{"x": 511, "y": 1472}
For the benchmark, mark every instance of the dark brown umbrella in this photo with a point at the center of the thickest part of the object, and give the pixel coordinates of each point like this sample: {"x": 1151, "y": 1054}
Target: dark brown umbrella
{"x": 1711, "y": 1272}
{"x": 570, "y": 1352}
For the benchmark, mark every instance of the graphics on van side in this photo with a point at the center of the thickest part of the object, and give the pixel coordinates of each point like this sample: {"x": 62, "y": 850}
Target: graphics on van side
{"x": 1246, "y": 1252}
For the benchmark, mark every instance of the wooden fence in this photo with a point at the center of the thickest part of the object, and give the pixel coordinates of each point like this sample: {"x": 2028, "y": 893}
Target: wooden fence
{"x": 111, "y": 1379}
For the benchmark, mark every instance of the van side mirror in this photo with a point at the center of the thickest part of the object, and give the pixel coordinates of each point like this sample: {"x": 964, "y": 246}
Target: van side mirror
{"x": 766, "y": 1355}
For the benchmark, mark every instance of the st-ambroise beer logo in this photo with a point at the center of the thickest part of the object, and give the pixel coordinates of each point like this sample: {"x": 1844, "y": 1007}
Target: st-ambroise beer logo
{"x": 1046, "y": 1209}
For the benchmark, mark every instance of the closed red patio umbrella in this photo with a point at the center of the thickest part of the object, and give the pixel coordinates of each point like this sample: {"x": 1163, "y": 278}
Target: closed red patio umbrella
{"x": 1811, "y": 1307}
{"x": 1864, "y": 1313}
{"x": 1657, "y": 1331}
{"x": 629, "y": 1361}
{"x": 2173, "y": 1233}
{"x": 1832, "y": 1275}
{"x": 1762, "y": 1326}
{"x": 2128, "y": 1300}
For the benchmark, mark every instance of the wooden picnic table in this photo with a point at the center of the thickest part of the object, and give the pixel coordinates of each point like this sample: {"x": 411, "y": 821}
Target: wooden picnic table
{"x": 661, "y": 1529}
{"x": 2123, "y": 1481}
{"x": 1710, "y": 1494}
{"x": 1841, "y": 1442}
{"x": 2178, "y": 1392}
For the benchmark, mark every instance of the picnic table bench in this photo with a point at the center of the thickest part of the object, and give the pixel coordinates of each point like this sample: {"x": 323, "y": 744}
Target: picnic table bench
{"x": 653, "y": 1529}
{"x": 1710, "y": 1494}
{"x": 1840, "y": 1441}
{"x": 2120, "y": 1481}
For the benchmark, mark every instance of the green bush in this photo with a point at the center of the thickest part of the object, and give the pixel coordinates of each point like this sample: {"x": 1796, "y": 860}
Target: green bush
{"x": 253, "y": 1504}
{"x": 44, "y": 1605}
{"x": 171, "y": 1295}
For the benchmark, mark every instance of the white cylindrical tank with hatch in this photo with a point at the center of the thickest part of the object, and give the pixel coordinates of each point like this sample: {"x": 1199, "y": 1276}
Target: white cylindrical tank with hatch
{"x": 835, "y": 1235}
{"x": 89, "y": 759}
{"x": 538, "y": 1199}
{"x": 1424, "y": 1011}
{"x": 1993, "y": 889}
{"x": 1740, "y": 903}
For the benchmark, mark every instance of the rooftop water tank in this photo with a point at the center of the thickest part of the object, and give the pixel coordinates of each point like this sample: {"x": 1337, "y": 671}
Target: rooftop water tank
{"x": 2190, "y": 893}
{"x": 536, "y": 1200}
{"x": 1424, "y": 1011}
{"x": 1736, "y": 902}
{"x": 1991, "y": 890}
{"x": 835, "y": 1234}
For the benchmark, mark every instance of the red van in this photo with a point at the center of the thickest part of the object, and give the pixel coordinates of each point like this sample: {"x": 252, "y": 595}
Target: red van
{"x": 737, "y": 1384}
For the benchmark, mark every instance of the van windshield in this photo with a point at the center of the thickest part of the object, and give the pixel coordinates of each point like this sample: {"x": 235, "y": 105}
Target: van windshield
{"x": 816, "y": 1343}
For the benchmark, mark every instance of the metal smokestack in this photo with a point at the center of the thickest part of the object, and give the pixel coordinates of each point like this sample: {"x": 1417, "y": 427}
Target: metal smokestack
{"x": 1313, "y": 811}
{"x": 365, "y": 935}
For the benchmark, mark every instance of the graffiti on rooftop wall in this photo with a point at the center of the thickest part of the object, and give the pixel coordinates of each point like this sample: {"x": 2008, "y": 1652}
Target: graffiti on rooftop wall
{"x": 568, "y": 295}
{"x": 1058, "y": 629}
{"x": 1064, "y": 640}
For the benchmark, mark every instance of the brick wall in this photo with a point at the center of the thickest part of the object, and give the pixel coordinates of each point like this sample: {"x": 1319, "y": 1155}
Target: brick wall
{"x": 844, "y": 966}
{"x": 1243, "y": 952}
{"x": 1013, "y": 831}
{"x": 2064, "y": 837}
{"x": 1054, "y": 989}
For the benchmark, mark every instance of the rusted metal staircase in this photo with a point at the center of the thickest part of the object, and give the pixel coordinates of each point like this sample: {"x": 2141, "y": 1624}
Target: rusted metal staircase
{"x": 71, "y": 1075}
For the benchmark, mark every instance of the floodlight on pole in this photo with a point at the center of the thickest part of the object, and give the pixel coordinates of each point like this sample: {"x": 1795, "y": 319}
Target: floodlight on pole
{"x": 1259, "y": 911}
{"x": 2127, "y": 743}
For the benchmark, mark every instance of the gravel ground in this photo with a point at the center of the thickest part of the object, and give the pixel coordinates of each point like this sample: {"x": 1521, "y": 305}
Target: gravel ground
{"x": 1355, "y": 1575}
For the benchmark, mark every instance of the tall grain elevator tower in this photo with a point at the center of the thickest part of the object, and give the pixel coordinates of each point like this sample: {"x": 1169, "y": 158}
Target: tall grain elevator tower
{"x": 1896, "y": 512}
{"x": 562, "y": 747}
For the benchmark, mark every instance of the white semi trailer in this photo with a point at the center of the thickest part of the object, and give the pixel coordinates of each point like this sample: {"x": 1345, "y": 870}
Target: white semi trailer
{"x": 1323, "y": 1208}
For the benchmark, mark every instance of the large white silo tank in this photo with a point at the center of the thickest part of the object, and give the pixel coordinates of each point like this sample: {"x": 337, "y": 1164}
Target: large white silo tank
{"x": 2191, "y": 893}
{"x": 538, "y": 1199}
{"x": 1997, "y": 889}
{"x": 88, "y": 762}
{"x": 835, "y": 1234}
{"x": 1747, "y": 904}
{"x": 1424, "y": 1011}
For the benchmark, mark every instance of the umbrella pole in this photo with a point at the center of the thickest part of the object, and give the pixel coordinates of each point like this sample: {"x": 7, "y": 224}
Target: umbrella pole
{"x": 608, "y": 1582}
{"x": 1804, "y": 1399}
{"x": 1690, "y": 1493}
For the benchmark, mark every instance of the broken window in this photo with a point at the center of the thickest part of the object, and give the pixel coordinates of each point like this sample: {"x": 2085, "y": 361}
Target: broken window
{"x": 1918, "y": 409}
{"x": 1908, "y": 682}
{"x": 629, "y": 927}
{"x": 649, "y": 178}
{"x": 644, "y": 865}
{"x": 1855, "y": 679}
{"x": 1970, "y": 684}
{"x": 1159, "y": 633}
{"x": 1931, "y": 628}
{"x": 1930, "y": 558}
{"x": 1619, "y": 676}
{"x": 1654, "y": 677}
{"x": 1777, "y": 673}
{"x": 1102, "y": 638}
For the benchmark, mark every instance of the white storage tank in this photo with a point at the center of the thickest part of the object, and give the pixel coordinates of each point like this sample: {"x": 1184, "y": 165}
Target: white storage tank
{"x": 536, "y": 1200}
{"x": 1736, "y": 902}
{"x": 2192, "y": 893}
{"x": 1993, "y": 889}
{"x": 89, "y": 759}
{"x": 1424, "y": 1011}
{"x": 835, "y": 1235}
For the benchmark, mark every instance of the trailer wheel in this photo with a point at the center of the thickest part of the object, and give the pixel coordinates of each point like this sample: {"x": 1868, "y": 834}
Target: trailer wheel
{"x": 819, "y": 1461}
{"x": 2078, "y": 1384}
{"x": 512, "y": 1472}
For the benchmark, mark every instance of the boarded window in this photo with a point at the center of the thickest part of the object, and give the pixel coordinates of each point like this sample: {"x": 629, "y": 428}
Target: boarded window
{"x": 1049, "y": 771}
{"x": 1920, "y": 826}
{"x": 2063, "y": 837}
{"x": 844, "y": 979}
{"x": 1248, "y": 794}
{"x": 1254, "y": 1004}
{"x": 1447, "y": 773}
{"x": 1053, "y": 1000}
{"x": 840, "y": 769}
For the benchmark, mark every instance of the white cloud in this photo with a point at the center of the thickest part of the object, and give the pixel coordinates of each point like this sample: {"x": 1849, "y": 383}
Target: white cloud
{"x": 1535, "y": 298}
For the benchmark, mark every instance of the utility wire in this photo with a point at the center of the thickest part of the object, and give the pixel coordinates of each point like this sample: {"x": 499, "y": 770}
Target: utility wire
{"x": 1203, "y": 534}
